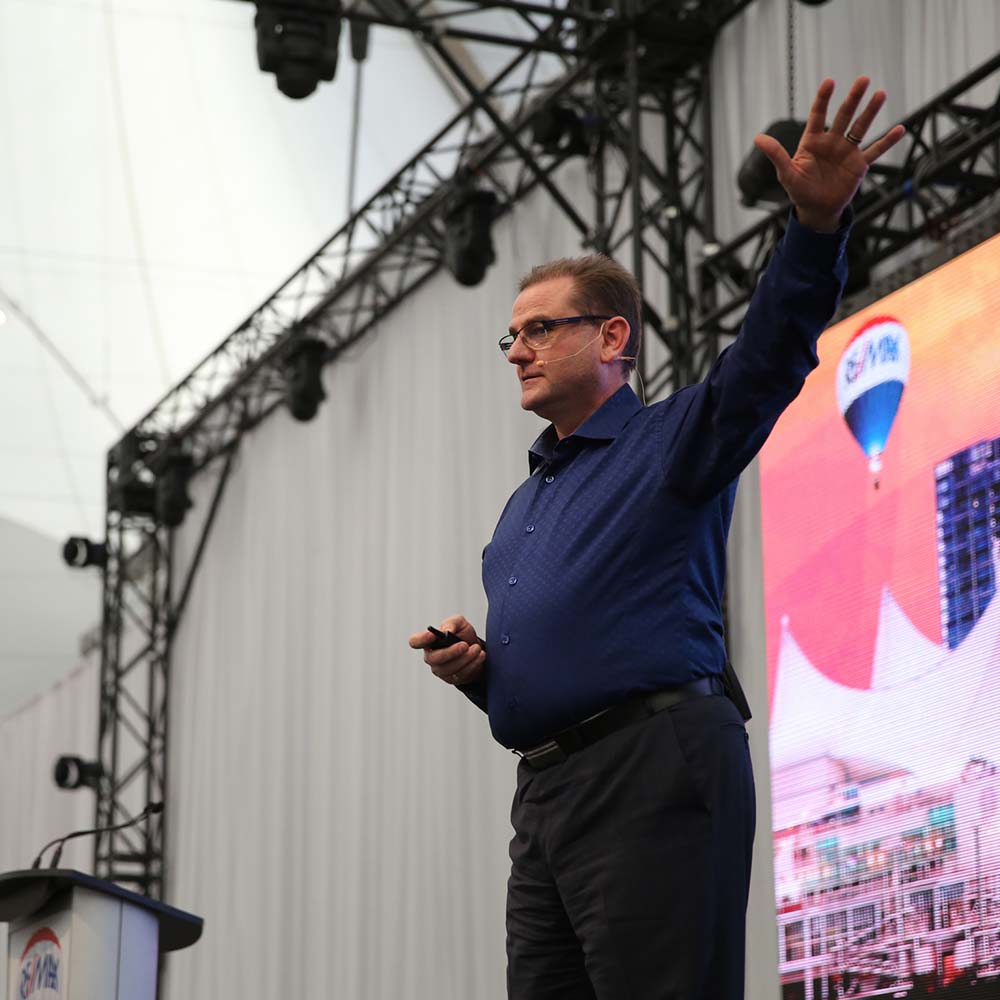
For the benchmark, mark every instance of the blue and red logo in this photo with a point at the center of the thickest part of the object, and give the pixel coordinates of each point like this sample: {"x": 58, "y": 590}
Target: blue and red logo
{"x": 41, "y": 967}
{"x": 871, "y": 376}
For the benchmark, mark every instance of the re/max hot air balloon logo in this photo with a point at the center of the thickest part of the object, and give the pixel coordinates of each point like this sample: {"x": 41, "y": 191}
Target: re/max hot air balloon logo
{"x": 41, "y": 972}
{"x": 871, "y": 376}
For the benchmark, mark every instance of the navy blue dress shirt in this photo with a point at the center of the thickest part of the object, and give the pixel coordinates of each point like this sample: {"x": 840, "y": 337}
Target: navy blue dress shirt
{"x": 605, "y": 572}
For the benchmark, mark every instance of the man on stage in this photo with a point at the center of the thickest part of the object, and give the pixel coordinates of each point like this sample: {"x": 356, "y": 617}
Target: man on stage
{"x": 634, "y": 811}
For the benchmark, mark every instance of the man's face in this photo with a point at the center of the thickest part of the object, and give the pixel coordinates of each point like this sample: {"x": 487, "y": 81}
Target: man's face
{"x": 562, "y": 382}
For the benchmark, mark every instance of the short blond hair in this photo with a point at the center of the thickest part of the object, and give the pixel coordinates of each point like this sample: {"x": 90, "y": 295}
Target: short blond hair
{"x": 601, "y": 286}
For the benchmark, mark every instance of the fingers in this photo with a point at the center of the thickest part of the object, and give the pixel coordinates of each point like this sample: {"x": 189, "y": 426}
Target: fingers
{"x": 774, "y": 151}
{"x": 816, "y": 122}
{"x": 421, "y": 640}
{"x": 880, "y": 146}
{"x": 864, "y": 121}
{"x": 844, "y": 122}
{"x": 456, "y": 624}
{"x": 845, "y": 113}
{"x": 469, "y": 672}
{"x": 455, "y": 663}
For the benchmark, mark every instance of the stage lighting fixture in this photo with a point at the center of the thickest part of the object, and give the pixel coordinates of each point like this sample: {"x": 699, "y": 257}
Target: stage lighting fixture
{"x": 133, "y": 499}
{"x": 559, "y": 129}
{"x": 298, "y": 42}
{"x": 360, "y": 31}
{"x": 172, "y": 477}
{"x": 757, "y": 179}
{"x": 75, "y": 772}
{"x": 468, "y": 245}
{"x": 304, "y": 378}
{"x": 79, "y": 552}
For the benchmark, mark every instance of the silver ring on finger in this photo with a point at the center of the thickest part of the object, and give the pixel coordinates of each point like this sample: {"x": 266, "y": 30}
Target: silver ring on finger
{"x": 852, "y": 138}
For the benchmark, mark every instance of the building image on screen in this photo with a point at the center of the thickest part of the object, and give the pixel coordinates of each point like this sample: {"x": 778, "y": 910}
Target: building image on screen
{"x": 880, "y": 499}
{"x": 968, "y": 501}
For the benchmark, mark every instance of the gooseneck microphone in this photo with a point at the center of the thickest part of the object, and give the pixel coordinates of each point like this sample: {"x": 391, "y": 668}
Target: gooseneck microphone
{"x": 151, "y": 810}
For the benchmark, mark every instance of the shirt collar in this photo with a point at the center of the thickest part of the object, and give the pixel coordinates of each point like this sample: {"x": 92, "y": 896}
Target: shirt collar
{"x": 604, "y": 424}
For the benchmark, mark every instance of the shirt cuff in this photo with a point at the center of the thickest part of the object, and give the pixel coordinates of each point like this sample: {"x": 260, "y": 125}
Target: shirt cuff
{"x": 817, "y": 251}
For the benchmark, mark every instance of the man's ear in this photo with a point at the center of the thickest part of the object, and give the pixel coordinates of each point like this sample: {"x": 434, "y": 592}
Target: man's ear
{"x": 616, "y": 334}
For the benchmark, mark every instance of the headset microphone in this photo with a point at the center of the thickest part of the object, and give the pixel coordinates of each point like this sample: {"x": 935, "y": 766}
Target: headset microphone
{"x": 542, "y": 364}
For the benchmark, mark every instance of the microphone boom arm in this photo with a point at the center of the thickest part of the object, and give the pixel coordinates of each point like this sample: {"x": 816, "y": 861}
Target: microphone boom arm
{"x": 151, "y": 809}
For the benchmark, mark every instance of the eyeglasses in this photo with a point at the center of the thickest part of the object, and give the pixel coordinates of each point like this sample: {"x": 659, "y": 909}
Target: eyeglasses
{"x": 538, "y": 335}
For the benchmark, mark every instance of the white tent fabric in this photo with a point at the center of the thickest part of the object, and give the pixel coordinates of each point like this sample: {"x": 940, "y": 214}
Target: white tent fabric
{"x": 338, "y": 815}
{"x": 157, "y": 189}
{"x": 813, "y": 716}
{"x": 46, "y": 607}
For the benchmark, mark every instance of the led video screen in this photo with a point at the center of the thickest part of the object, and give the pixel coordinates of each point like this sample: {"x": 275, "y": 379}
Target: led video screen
{"x": 880, "y": 494}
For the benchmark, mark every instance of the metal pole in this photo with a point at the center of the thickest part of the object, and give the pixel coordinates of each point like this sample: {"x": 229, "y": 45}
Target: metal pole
{"x": 601, "y": 235}
{"x": 355, "y": 125}
{"x": 632, "y": 56}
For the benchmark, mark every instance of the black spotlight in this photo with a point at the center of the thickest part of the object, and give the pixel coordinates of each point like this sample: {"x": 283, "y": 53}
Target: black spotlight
{"x": 298, "y": 42}
{"x": 304, "y": 378}
{"x": 468, "y": 245}
{"x": 174, "y": 471}
{"x": 75, "y": 772}
{"x": 757, "y": 179}
{"x": 79, "y": 552}
{"x": 559, "y": 129}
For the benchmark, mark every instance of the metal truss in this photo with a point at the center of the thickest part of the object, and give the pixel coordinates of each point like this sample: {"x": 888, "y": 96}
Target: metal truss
{"x": 133, "y": 700}
{"x": 639, "y": 80}
{"x": 394, "y": 242}
{"x": 948, "y": 165}
{"x": 143, "y": 601}
{"x": 654, "y": 208}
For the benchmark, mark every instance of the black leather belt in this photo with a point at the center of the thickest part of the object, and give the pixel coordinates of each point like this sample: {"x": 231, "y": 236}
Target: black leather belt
{"x": 583, "y": 734}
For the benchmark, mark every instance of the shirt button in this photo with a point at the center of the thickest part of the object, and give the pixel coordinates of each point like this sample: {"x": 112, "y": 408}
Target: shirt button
{"x": 512, "y": 580}
{"x": 505, "y": 640}
{"x": 530, "y": 528}
{"x": 550, "y": 478}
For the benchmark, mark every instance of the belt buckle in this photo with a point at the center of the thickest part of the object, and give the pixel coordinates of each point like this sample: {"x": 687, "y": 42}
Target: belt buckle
{"x": 545, "y": 755}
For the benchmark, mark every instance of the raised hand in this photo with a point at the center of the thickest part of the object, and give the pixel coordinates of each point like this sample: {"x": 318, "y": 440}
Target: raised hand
{"x": 823, "y": 175}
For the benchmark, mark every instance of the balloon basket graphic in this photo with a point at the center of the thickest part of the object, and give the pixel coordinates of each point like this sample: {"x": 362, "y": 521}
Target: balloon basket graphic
{"x": 875, "y": 467}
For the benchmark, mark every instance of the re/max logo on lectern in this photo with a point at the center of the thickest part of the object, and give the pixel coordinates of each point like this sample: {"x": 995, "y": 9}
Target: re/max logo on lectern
{"x": 40, "y": 977}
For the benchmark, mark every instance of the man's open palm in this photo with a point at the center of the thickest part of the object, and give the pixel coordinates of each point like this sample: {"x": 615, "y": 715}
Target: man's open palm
{"x": 823, "y": 175}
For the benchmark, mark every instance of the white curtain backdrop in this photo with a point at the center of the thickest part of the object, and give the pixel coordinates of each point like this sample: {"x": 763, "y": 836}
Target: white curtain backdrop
{"x": 341, "y": 816}
{"x": 338, "y": 815}
{"x": 33, "y": 810}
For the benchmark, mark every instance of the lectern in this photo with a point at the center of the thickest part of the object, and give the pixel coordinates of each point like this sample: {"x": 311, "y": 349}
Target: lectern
{"x": 76, "y": 937}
